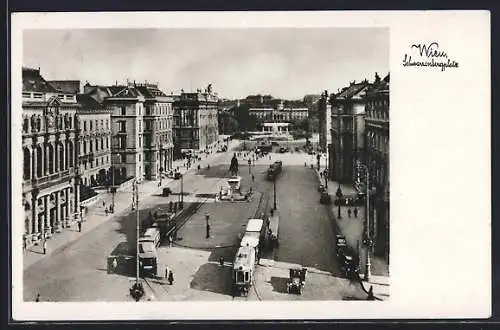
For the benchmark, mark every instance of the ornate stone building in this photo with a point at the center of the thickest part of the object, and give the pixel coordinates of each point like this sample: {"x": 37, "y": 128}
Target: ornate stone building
{"x": 195, "y": 120}
{"x": 157, "y": 130}
{"x": 50, "y": 153}
{"x": 347, "y": 131}
{"x": 377, "y": 159}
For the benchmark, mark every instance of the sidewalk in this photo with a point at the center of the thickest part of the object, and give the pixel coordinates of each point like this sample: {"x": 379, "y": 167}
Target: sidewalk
{"x": 96, "y": 213}
{"x": 352, "y": 228}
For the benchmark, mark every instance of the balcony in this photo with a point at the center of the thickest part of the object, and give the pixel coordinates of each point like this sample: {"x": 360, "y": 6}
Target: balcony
{"x": 87, "y": 157}
{"x": 51, "y": 179}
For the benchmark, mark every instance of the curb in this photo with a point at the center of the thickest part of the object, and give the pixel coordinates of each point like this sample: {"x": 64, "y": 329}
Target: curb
{"x": 336, "y": 227}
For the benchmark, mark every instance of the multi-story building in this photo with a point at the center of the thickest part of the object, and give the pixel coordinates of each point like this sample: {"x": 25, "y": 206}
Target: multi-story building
{"x": 157, "y": 130}
{"x": 141, "y": 127}
{"x": 195, "y": 120}
{"x": 50, "y": 168}
{"x": 347, "y": 131}
{"x": 94, "y": 121}
{"x": 263, "y": 113}
{"x": 377, "y": 159}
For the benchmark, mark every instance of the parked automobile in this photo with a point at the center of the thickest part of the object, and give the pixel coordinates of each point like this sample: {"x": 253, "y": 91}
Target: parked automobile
{"x": 325, "y": 198}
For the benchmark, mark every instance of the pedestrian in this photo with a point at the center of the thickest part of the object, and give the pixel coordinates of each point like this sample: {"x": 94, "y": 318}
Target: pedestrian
{"x": 44, "y": 246}
{"x": 37, "y": 299}
{"x": 115, "y": 265}
{"x": 221, "y": 261}
{"x": 170, "y": 240}
{"x": 170, "y": 277}
{"x": 253, "y": 178}
{"x": 80, "y": 226}
{"x": 103, "y": 203}
{"x": 166, "y": 272}
{"x": 355, "y": 212}
{"x": 349, "y": 212}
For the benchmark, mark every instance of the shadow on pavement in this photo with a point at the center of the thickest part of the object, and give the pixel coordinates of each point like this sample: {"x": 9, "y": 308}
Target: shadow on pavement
{"x": 213, "y": 278}
{"x": 227, "y": 253}
{"x": 279, "y": 284}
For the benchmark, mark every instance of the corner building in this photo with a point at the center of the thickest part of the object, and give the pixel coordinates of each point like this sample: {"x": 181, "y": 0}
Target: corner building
{"x": 157, "y": 131}
{"x": 195, "y": 120}
{"x": 50, "y": 168}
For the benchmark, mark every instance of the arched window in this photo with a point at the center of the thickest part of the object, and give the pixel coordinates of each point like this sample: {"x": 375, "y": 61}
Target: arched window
{"x": 26, "y": 164}
{"x": 25, "y": 125}
{"x": 39, "y": 162}
{"x": 70, "y": 154}
{"x": 61, "y": 157}
{"x": 51, "y": 158}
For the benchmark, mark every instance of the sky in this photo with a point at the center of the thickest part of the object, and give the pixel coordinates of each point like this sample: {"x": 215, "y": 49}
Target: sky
{"x": 286, "y": 62}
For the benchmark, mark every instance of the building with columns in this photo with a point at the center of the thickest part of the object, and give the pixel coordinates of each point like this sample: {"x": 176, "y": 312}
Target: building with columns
{"x": 195, "y": 120}
{"x": 157, "y": 130}
{"x": 377, "y": 159}
{"x": 50, "y": 158}
{"x": 347, "y": 131}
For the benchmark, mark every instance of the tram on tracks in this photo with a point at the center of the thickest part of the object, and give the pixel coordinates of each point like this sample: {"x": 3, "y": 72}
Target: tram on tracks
{"x": 243, "y": 270}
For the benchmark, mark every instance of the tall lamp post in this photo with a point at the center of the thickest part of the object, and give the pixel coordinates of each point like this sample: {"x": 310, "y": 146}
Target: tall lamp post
{"x": 137, "y": 290}
{"x": 274, "y": 184}
{"x": 181, "y": 204}
{"x": 368, "y": 239}
{"x": 339, "y": 195}
{"x": 113, "y": 191}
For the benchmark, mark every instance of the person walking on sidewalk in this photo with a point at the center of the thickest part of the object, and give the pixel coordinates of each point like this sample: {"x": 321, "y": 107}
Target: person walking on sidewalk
{"x": 44, "y": 246}
{"x": 349, "y": 212}
{"x": 170, "y": 277}
{"x": 221, "y": 261}
{"x": 355, "y": 212}
{"x": 103, "y": 203}
{"x": 167, "y": 271}
{"x": 79, "y": 226}
{"x": 170, "y": 240}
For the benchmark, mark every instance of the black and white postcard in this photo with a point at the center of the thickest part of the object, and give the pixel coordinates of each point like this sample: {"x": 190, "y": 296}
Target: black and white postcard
{"x": 250, "y": 165}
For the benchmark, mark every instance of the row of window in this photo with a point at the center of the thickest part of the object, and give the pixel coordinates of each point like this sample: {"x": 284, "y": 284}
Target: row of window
{"x": 98, "y": 161}
{"x": 96, "y": 124}
{"x": 99, "y": 144}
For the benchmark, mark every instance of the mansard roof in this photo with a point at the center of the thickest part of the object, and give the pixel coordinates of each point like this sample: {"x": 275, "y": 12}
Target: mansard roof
{"x": 34, "y": 82}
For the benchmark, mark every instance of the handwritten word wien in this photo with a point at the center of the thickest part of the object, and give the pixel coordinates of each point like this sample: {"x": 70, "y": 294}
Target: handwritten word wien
{"x": 429, "y": 55}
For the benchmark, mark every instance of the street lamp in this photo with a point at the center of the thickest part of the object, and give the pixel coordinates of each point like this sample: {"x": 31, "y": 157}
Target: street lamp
{"x": 181, "y": 204}
{"x": 368, "y": 239}
{"x": 274, "y": 184}
{"x": 339, "y": 197}
{"x": 207, "y": 217}
{"x": 137, "y": 290}
{"x": 113, "y": 191}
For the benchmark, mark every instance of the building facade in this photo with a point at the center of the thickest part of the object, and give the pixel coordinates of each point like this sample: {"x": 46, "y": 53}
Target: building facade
{"x": 195, "y": 120}
{"x": 377, "y": 160}
{"x": 347, "y": 131}
{"x": 50, "y": 153}
{"x": 94, "y": 121}
{"x": 158, "y": 131}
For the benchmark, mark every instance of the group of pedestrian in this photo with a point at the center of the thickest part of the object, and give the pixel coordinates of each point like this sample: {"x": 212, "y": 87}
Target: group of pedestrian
{"x": 349, "y": 212}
